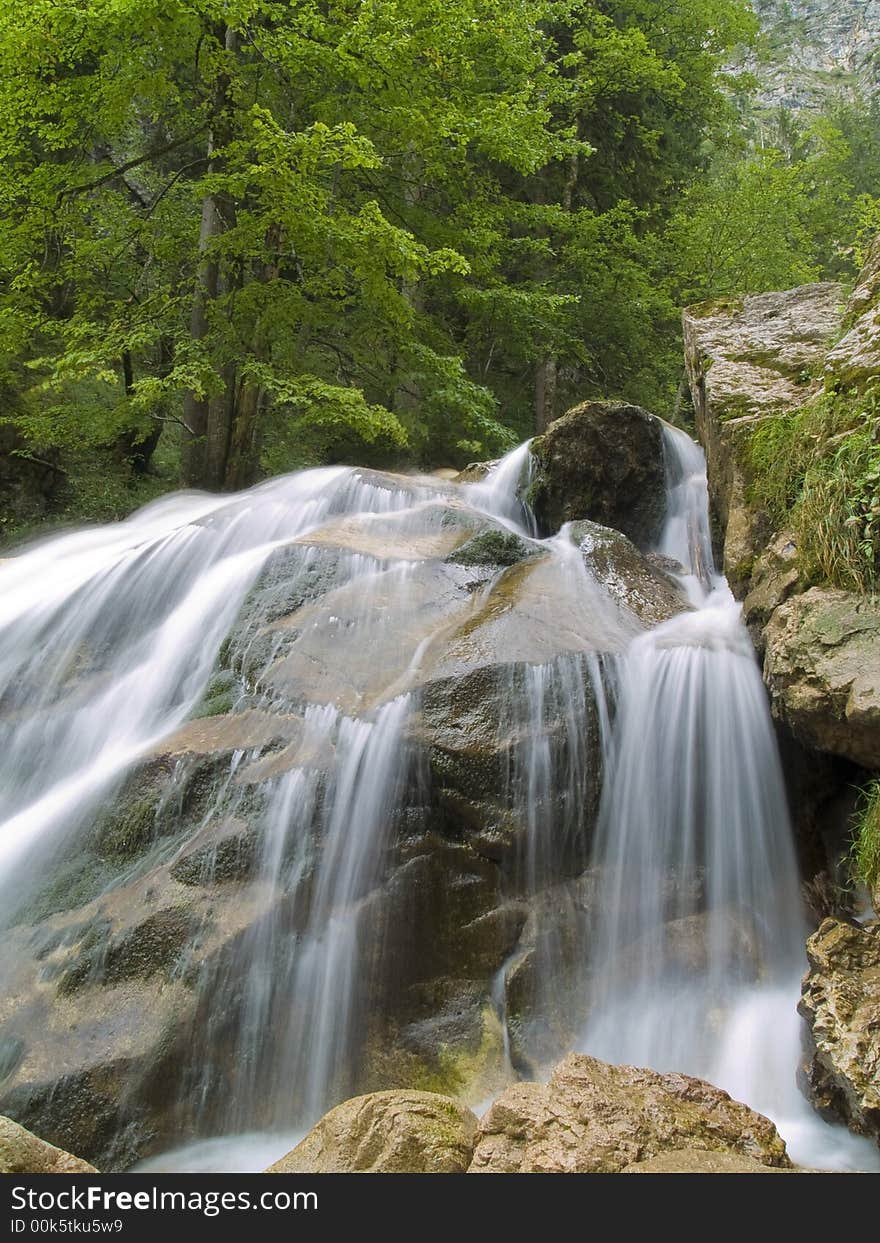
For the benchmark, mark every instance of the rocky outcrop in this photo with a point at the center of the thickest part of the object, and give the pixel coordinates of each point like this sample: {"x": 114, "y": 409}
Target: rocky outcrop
{"x": 841, "y": 1003}
{"x": 855, "y": 359}
{"x": 23, "y": 1153}
{"x": 813, "y": 52}
{"x": 822, "y": 666}
{"x": 750, "y": 360}
{"x": 395, "y": 1132}
{"x": 602, "y": 461}
{"x": 596, "y": 1118}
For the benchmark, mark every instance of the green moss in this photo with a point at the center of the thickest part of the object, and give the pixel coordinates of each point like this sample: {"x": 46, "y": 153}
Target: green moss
{"x": 126, "y": 833}
{"x": 865, "y": 853}
{"x": 219, "y": 698}
{"x": 716, "y": 306}
{"x": 492, "y": 548}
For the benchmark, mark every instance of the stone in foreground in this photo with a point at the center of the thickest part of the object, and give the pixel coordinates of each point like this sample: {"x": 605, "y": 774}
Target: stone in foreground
{"x": 22, "y": 1152}
{"x": 398, "y": 1132}
{"x": 701, "y": 1161}
{"x": 595, "y": 1118}
{"x": 841, "y": 1003}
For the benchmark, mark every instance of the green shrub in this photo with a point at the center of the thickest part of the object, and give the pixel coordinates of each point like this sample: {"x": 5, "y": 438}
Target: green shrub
{"x": 865, "y": 854}
{"x": 817, "y": 471}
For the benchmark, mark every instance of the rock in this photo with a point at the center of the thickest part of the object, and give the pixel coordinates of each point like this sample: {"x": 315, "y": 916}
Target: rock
{"x": 855, "y": 359}
{"x": 841, "y": 1003}
{"x": 397, "y": 1132}
{"x": 640, "y": 584}
{"x": 603, "y": 460}
{"x": 596, "y": 1118}
{"x": 822, "y": 667}
{"x": 748, "y": 360}
{"x": 812, "y": 51}
{"x": 23, "y": 1153}
{"x": 699, "y": 1161}
{"x": 776, "y": 576}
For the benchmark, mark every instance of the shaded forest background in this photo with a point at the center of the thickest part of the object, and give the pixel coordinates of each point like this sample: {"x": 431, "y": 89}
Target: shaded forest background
{"x": 239, "y": 237}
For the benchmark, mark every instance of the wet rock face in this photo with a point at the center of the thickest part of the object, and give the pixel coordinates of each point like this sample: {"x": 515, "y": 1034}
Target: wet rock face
{"x": 395, "y": 1132}
{"x": 602, "y": 461}
{"x": 23, "y": 1153}
{"x": 841, "y": 1003}
{"x": 125, "y": 974}
{"x": 596, "y": 1118}
{"x": 822, "y": 666}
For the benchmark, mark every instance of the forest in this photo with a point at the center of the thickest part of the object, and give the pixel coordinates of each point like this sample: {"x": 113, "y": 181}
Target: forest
{"x": 240, "y": 237}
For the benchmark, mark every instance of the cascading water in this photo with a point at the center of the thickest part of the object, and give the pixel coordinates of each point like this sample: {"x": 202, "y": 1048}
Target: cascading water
{"x": 329, "y": 599}
{"x": 698, "y": 950}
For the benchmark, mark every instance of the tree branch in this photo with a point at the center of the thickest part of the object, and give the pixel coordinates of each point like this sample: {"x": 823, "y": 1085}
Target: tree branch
{"x": 83, "y": 187}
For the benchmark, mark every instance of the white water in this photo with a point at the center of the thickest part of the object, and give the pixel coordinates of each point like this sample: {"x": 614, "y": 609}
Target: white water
{"x": 698, "y": 954}
{"x": 107, "y": 642}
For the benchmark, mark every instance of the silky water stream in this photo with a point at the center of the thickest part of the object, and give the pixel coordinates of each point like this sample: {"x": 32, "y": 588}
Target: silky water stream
{"x": 692, "y": 957}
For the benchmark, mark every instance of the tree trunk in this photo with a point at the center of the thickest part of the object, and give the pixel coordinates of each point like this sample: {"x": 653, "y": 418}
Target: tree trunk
{"x": 135, "y": 448}
{"x": 545, "y": 394}
{"x": 207, "y": 420}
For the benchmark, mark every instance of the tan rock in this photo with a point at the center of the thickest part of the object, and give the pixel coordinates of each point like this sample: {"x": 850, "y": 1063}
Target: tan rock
{"x": 699, "y": 1161}
{"x": 822, "y": 666}
{"x": 749, "y": 360}
{"x": 402, "y": 1132}
{"x": 21, "y": 1152}
{"x": 596, "y": 1118}
{"x": 841, "y": 1003}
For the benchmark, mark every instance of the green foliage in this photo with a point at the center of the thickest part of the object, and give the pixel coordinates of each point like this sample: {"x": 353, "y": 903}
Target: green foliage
{"x": 818, "y": 471}
{"x": 360, "y": 225}
{"x": 865, "y": 853}
{"x": 743, "y": 231}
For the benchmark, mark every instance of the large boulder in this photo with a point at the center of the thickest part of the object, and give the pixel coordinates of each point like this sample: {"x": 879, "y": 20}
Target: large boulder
{"x": 602, "y": 460}
{"x": 395, "y": 1132}
{"x": 596, "y": 1118}
{"x": 822, "y": 666}
{"x": 748, "y": 360}
{"x": 21, "y": 1152}
{"x": 841, "y": 1003}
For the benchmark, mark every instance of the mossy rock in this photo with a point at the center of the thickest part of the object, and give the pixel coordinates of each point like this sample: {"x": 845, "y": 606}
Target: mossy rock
{"x": 395, "y": 1132}
{"x": 493, "y": 548}
{"x": 220, "y": 696}
{"x": 603, "y": 460}
{"x": 232, "y": 858}
{"x": 154, "y": 946}
{"x": 128, "y": 831}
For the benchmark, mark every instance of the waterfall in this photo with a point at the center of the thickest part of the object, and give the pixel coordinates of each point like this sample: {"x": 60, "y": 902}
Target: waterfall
{"x": 673, "y": 940}
{"x": 697, "y": 954}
